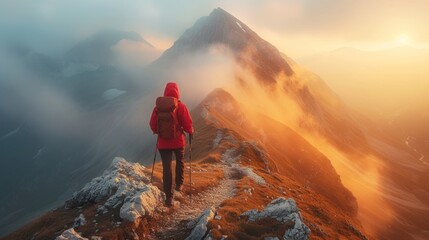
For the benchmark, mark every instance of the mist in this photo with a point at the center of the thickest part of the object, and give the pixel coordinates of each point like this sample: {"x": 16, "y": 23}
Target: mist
{"x": 30, "y": 98}
{"x": 372, "y": 171}
{"x": 78, "y": 91}
{"x": 380, "y": 84}
{"x": 59, "y": 130}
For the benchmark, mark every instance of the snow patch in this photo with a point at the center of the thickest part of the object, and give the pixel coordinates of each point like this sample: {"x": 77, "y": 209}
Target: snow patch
{"x": 283, "y": 210}
{"x": 11, "y": 133}
{"x": 112, "y": 94}
{"x": 123, "y": 184}
{"x": 240, "y": 26}
{"x": 200, "y": 223}
{"x": 70, "y": 234}
{"x": 39, "y": 152}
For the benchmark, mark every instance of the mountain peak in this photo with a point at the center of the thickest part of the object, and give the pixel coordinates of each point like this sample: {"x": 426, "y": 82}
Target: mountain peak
{"x": 221, "y": 14}
{"x": 220, "y": 11}
{"x": 220, "y": 27}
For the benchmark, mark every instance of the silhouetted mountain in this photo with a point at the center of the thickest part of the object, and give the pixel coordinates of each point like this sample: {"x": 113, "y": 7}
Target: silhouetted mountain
{"x": 250, "y": 50}
{"x": 36, "y": 62}
{"x": 97, "y": 48}
{"x": 322, "y": 110}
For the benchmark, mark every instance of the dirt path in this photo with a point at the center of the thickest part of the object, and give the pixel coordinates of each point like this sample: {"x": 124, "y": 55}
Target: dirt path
{"x": 174, "y": 225}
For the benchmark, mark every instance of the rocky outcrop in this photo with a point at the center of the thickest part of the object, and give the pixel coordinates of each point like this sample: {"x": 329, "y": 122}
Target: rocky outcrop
{"x": 143, "y": 203}
{"x": 70, "y": 234}
{"x": 123, "y": 185}
{"x": 200, "y": 225}
{"x": 284, "y": 211}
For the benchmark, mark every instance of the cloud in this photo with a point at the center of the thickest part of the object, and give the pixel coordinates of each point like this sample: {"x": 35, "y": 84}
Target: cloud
{"x": 26, "y": 97}
{"x": 342, "y": 18}
{"x": 53, "y": 26}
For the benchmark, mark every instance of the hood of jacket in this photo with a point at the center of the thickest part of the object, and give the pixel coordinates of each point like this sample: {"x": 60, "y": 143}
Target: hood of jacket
{"x": 171, "y": 90}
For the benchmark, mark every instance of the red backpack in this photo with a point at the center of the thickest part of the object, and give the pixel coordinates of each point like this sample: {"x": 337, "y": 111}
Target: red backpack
{"x": 168, "y": 123}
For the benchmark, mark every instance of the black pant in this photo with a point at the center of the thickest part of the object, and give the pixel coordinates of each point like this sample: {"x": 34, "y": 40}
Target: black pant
{"x": 167, "y": 177}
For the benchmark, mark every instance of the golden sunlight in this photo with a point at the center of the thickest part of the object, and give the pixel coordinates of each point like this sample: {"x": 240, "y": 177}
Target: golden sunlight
{"x": 403, "y": 39}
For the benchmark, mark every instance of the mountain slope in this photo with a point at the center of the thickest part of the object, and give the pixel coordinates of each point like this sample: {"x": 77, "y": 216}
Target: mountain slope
{"x": 371, "y": 164}
{"x": 296, "y": 100}
{"x": 282, "y": 149}
{"x": 234, "y": 174}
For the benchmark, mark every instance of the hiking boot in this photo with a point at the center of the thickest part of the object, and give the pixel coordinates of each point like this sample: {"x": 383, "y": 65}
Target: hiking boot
{"x": 169, "y": 202}
{"x": 179, "y": 188}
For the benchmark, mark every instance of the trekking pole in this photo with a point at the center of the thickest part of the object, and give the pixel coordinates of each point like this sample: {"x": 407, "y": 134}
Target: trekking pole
{"x": 190, "y": 168}
{"x": 154, "y": 158}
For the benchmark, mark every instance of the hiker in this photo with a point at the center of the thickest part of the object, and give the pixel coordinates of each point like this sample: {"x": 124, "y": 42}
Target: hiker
{"x": 170, "y": 119}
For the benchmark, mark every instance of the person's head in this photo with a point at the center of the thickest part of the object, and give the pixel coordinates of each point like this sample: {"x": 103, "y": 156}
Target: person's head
{"x": 171, "y": 90}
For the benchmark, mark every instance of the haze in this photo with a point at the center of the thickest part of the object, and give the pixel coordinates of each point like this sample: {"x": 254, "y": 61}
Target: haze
{"x": 304, "y": 30}
{"x": 371, "y": 53}
{"x": 382, "y": 84}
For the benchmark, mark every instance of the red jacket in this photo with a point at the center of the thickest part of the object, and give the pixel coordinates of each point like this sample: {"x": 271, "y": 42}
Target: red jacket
{"x": 183, "y": 116}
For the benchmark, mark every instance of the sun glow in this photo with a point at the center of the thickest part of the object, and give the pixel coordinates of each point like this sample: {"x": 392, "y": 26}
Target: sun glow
{"x": 403, "y": 39}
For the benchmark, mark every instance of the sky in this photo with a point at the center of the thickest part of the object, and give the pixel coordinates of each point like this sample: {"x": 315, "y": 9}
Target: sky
{"x": 297, "y": 27}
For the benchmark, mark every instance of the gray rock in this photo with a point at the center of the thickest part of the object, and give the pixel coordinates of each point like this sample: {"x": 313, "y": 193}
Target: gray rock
{"x": 283, "y": 210}
{"x": 79, "y": 221}
{"x": 142, "y": 203}
{"x": 200, "y": 228}
{"x": 70, "y": 234}
{"x": 124, "y": 185}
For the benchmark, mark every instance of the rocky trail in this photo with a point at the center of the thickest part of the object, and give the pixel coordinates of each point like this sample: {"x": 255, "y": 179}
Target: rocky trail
{"x": 177, "y": 222}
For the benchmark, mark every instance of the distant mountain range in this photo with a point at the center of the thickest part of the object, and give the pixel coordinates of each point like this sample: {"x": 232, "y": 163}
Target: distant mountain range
{"x": 58, "y": 126}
